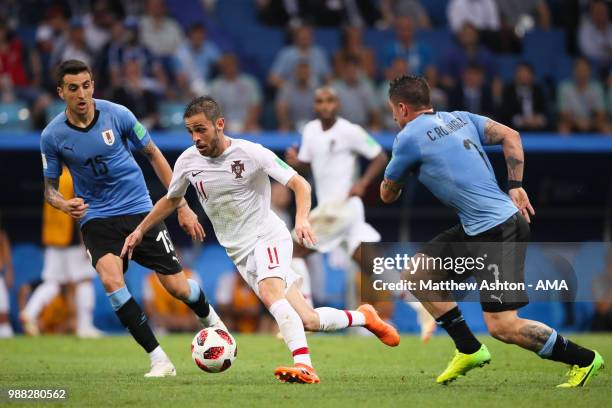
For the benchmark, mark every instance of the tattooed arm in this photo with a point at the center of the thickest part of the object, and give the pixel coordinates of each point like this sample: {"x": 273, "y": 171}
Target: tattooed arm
{"x": 187, "y": 219}
{"x": 510, "y": 139}
{"x": 390, "y": 191}
{"x": 75, "y": 207}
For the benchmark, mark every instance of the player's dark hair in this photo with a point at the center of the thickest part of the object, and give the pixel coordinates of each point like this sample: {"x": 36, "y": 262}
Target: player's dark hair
{"x": 411, "y": 90}
{"x": 206, "y": 105}
{"x": 70, "y": 67}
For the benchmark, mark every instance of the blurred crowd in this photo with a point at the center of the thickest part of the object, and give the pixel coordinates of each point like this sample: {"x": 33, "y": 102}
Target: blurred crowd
{"x": 144, "y": 59}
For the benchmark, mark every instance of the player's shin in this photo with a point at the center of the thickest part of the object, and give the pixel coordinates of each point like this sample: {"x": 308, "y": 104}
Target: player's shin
{"x": 133, "y": 318}
{"x": 456, "y": 327}
{"x": 199, "y": 304}
{"x": 334, "y": 319}
{"x": 292, "y": 329}
{"x": 558, "y": 348}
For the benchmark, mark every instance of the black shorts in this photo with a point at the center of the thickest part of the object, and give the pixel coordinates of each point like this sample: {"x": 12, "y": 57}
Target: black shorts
{"x": 106, "y": 236}
{"x": 503, "y": 249}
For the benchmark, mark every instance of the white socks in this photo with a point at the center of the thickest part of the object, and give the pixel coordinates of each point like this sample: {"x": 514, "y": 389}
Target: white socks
{"x": 84, "y": 300}
{"x": 292, "y": 329}
{"x": 158, "y": 355}
{"x": 6, "y": 330}
{"x": 334, "y": 319}
{"x": 41, "y": 297}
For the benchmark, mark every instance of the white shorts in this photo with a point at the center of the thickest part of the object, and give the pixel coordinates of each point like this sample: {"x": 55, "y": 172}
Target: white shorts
{"x": 269, "y": 259}
{"x": 4, "y": 297}
{"x": 341, "y": 224}
{"x": 67, "y": 264}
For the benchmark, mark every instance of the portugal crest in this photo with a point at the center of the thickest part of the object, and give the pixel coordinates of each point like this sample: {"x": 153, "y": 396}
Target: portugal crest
{"x": 238, "y": 168}
{"x": 109, "y": 137}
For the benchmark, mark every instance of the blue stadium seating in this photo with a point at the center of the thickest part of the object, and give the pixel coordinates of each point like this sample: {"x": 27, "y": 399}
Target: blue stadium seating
{"x": 544, "y": 49}
{"x": 14, "y": 117}
{"x": 506, "y": 65}
{"x": 171, "y": 115}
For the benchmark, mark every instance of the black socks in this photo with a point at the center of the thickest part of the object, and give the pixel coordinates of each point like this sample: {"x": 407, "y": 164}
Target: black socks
{"x": 456, "y": 327}
{"x": 570, "y": 353}
{"x": 200, "y": 306}
{"x": 133, "y": 318}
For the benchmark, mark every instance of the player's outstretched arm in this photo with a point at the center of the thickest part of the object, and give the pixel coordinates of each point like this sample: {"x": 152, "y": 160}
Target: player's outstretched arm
{"x": 390, "y": 191}
{"x": 510, "y": 139}
{"x": 375, "y": 167}
{"x": 188, "y": 220}
{"x": 301, "y": 189}
{"x": 75, "y": 207}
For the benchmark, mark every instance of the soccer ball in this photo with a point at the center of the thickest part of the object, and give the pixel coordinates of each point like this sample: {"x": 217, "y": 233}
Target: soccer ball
{"x": 213, "y": 350}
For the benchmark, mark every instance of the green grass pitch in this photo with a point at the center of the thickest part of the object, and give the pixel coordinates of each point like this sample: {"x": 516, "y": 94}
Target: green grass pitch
{"x": 355, "y": 371}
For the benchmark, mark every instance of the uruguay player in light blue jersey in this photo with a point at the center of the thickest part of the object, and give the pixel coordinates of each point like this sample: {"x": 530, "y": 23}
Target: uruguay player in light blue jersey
{"x": 445, "y": 150}
{"x": 92, "y": 137}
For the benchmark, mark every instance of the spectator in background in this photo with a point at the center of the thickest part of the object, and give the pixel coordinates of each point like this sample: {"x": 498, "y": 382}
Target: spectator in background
{"x": 352, "y": 46}
{"x": 58, "y": 315}
{"x": 302, "y": 50}
{"x": 467, "y": 51}
{"x": 437, "y": 94}
{"x": 196, "y": 59}
{"x": 7, "y": 278}
{"x": 391, "y": 9}
{"x": 358, "y": 102}
{"x": 398, "y": 67}
{"x": 239, "y": 96}
{"x": 295, "y": 99}
{"x": 482, "y": 14}
{"x": 602, "y": 294}
{"x": 581, "y": 102}
{"x": 518, "y": 17}
{"x": 125, "y": 45}
{"x": 138, "y": 94}
{"x": 14, "y": 81}
{"x": 75, "y": 46}
{"x": 293, "y": 13}
{"x": 160, "y": 33}
{"x": 51, "y": 34}
{"x": 97, "y": 25}
{"x": 595, "y": 33}
{"x": 417, "y": 55}
{"x": 168, "y": 314}
{"x": 524, "y": 102}
{"x": 472, "y": 94}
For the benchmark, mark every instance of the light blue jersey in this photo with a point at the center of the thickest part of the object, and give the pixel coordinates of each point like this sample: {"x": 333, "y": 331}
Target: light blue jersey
{"x": 445, "y": 148}
{"x": 104, "y": 171}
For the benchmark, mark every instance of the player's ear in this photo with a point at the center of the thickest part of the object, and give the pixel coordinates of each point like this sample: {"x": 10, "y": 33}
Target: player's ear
{"x": 220, "y": 123}
{"x": 60, "y": 92}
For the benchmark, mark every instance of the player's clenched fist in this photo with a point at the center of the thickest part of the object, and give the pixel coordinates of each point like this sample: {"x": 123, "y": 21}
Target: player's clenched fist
{"x": 131, "y": 242}
{"x": 76, "y": 207}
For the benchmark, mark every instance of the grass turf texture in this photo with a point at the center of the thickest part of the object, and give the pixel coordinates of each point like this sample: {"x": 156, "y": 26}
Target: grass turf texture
{"x": 354, "y": 371}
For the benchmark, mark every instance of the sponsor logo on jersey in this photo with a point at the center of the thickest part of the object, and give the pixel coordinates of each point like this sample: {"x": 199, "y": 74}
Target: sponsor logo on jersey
{"x": 109, "y": 137}
{"x": 238, "y": 168}
{"x": 282, "y": 163}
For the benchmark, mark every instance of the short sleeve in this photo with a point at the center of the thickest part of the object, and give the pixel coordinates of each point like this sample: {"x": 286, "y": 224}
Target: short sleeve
{"x": 405, "y": 158}
{"x": 133, "y": 129}
{"x": 305, "y": 154}
{"x": 479, "y": 123}
{"x": 179, "y": 183}
{"x": 51, "y": 162}
{"x": 363, "y": 143}
{"x": 272, "y": 165}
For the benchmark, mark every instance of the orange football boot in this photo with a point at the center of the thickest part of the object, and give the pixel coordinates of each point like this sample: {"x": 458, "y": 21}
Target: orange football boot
{"x": 300, "y": 373}
{"x": 383, "y": 330}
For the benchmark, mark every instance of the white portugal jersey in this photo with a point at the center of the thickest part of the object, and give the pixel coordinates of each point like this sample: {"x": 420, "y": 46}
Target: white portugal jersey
{"x": 234, "y": 190}
{"x": 333, "y": 155}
